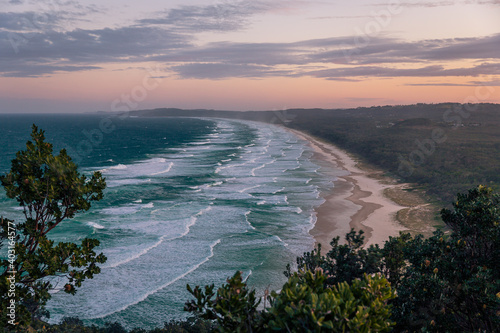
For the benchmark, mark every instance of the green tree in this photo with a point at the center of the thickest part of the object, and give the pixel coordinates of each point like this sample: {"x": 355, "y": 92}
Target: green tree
{"x": 50, "y": 190}
{"x": 446, "y": 283}
{"x": 452, "y": 282}
{"x": 343, "y": 263}
{"x": 307, "y": 304}
{"x": 233, "y": 306}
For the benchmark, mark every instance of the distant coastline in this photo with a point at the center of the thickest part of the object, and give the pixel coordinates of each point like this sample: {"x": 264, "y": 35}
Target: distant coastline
{"x": 431, "y": 146}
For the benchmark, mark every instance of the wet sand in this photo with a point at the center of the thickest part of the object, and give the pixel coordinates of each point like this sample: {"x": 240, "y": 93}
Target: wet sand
{"x": 357, "y": 201}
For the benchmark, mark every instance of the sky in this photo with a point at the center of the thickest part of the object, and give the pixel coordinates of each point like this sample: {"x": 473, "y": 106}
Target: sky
{"x": 86, "y": 56}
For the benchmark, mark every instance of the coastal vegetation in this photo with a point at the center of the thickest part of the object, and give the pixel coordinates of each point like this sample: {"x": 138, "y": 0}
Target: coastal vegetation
{"x": 449, "y": 282}
{"x": 446, "y": 283}
{"x": 50, "y": 190}
{"x": 443, "y": 148}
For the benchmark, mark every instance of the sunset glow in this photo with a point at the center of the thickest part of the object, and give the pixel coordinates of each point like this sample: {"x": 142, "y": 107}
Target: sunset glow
{"x": 245, "y": 55}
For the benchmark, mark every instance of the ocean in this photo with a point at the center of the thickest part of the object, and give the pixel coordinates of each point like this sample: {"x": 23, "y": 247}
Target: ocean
{"x": 188, "y": 201}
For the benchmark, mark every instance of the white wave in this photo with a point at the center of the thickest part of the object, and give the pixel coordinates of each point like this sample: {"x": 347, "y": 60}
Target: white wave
{"x": 298, "y": 210}
{"x": 246, "y": 218}
{"x": 213, "y": 184}
{"x": 248, "y": 275}
{"x": 308, "y": 181}
{"x": 291, "y": 169}
{"x": 95, "y": 225}
{"x": 257, "y": 168}
{"x": 192, "y": 222}
{"x": 250, "y": 145}
{"x": 280, "y": 240}
{"x": 199, "y": 143}
{"x": 143, "y": 298}
{"x": 123, "y": 210}
{"x": 228, "y": 160}
{"x": 164, "y": 171}
{"x": 126, "y": 210}
{"x": 263, "y": 202}
{"x": 137, "y": 255}
{"x": 219, "y": 169}
{"x": 278, "y": 191}
{"x": 138, "y": 201}
{"x": 248, "y": 188}
{"x": 116, "y": 167}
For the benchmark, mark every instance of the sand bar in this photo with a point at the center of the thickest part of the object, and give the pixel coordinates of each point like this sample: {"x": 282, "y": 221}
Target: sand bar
{"x": 357, "y": 200}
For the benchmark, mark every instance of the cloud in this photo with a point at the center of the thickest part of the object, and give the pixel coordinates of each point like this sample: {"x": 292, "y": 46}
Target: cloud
{"x": 45, "y": 15}
{"x": 36, "y": 70}
{"x": 433, "y": 4}
{"x": 267, "y": 54}
{"x": 28, "y": 21}
{"x": 169, "y": 38}
{"x": 427, "y": 71}
{"x": 46, "y": 53}
{"x": 217, "y": 71}
{"x": 382, "y": 57}
{"x": 223, "y": 15}
{"x": 365, "y": 50}
{"x": 489, "y": 83}
{"x": 340, "y": 17}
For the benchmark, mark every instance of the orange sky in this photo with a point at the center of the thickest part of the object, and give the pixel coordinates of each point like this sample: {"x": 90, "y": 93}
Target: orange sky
{"x": 242, "y": 55}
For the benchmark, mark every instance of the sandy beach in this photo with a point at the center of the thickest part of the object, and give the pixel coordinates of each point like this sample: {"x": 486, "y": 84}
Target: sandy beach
{"x": 357, "y": 200}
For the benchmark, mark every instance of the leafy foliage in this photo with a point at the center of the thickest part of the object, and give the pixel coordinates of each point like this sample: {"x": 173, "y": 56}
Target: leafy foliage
{"x": 343, "y": 263}
{"x": 50, "y": 190}
{"x": 234, "y": 306}
{"x": 452, "y": 283}
{"x": 444, "y": 283}
{"x": 307, "y": 304}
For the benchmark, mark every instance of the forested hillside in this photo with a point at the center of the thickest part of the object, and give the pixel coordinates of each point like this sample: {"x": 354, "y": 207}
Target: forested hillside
{"x": 446, "y": 148}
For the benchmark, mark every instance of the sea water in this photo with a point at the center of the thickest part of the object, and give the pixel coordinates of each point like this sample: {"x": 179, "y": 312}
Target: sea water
{"x": 187, "y": 201}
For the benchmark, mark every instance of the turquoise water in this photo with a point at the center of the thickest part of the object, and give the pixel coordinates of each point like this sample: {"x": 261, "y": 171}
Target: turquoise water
{"x": 188, "y": 201}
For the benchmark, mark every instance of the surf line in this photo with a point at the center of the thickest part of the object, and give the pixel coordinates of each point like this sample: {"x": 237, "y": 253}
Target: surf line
{"x": 145, "y": 296}
{"x": 192, "y": 222}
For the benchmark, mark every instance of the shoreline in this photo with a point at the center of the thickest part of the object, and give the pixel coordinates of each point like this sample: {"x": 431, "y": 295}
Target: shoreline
{"x": 358, "y": 200}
